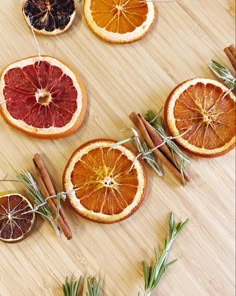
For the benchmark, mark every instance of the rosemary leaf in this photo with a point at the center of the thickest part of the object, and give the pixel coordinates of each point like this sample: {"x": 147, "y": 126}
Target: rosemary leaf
{"x": 143, "y": 150}
{"x": 154, "y": 273}
{"x": 41, "y": 204}
{"x": 223, "y": 74}
{"x": 180, "y": 159}
{"x": 150, "y": 159}
{"x": 146, "y": 274}
{"x": 93, "y": 286}
{"x": 71, "y": 288}
{"x": 119, "y": 143}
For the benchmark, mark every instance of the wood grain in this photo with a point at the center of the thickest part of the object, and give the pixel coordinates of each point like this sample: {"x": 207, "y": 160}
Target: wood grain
{"x": 120, "y": 79}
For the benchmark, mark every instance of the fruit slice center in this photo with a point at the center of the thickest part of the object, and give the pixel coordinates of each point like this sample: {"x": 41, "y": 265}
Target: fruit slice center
{"x": 119, "y": 16}
{"x": 43, "y": 97}
{"x": 108, "y": 182}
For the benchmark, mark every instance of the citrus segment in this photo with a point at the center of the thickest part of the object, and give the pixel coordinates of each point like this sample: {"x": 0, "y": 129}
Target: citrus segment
{"x": 43, "y": 98}
{"x": 49, "y": 17}
{"x": 16, "y": 217}
{"x": 200, "y": 113}
{"x": 120, "y": 21}
{"x": 104, "y": 185}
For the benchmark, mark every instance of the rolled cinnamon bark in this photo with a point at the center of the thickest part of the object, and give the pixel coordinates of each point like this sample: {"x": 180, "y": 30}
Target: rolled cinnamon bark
{"x": 48, "y": 190}
{"x": 158, "y": 154}
{"x": 157, "y": 140}
{"x": 230, "y": 52}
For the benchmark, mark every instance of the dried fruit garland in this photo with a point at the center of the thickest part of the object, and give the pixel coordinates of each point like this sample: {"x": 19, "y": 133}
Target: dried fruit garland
{"x": 47, "y": 17}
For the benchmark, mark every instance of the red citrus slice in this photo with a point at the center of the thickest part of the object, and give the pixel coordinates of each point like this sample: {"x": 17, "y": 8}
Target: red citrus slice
{"x": 45, "y": 99}
{"x": 109, "y": 185}
{"x": 203, "y": 112}
{"x": 16, "y": 217}
{"x": 49, "y": 17}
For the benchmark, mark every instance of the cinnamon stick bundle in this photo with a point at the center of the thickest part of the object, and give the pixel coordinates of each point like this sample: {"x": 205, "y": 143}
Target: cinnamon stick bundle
{"x": 157, "y": 140}
{"x": 47, "y": 189}
{"x": 137, "y": 121}
{"x": 230, "y": 52}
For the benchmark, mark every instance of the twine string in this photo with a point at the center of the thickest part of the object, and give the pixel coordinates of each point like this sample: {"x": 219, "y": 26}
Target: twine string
{"x": 36, "y": 43}
{"x": 143, "y": 154}
{"x": 61, "y": 195}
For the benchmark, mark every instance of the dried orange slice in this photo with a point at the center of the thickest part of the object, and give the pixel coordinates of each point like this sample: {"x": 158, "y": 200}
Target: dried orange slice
{"x": 16, "y": 217}
{"x": 49, "y": 17}
{"x": 43, "y": 98}
{"x": 102, "y": 184}
{"x": 203, "y": 112}
{"x": 120, "y": 21}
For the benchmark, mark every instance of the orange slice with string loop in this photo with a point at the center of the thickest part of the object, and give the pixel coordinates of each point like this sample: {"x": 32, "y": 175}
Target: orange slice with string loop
{"x": 120, "y": 21}
{"x": 200, "y": 113}
{"x": 16, "y": 217}
{"x": 43, "y": 97}
{"x": 104, "y": 184}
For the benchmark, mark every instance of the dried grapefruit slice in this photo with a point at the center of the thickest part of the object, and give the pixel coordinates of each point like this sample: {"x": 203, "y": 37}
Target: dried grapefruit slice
{"x": 16, "y": 217}
{"x": 120, "y": 21}
{"x": 44, "y": 99}
{"x": 107, "y": 188}
{"x": 49, "y": 17}
{"x": 203, "y": 110}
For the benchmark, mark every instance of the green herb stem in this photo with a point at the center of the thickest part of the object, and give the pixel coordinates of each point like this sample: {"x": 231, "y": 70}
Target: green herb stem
{"x": 93, "y": 286}
{"x": 223, "y": 74}
{"x": 154, "y": 273}
{"x": 179, "y": 158}
{"x": 71, "y": 288}
{"x": 28, "y": 181}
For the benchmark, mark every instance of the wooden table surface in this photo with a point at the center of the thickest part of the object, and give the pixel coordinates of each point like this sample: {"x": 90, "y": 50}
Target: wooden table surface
{"x": 120, "y": 79}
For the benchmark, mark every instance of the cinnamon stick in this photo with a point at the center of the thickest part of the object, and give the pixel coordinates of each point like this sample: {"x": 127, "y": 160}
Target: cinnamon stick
{"x": 140, "y": 126}
{"x": 230, "y": 52}
{"x": 48, "y": 190}
{"x": 157, "y": 140}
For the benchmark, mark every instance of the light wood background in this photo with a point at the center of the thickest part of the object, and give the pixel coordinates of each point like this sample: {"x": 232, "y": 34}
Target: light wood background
{"x": 120, "y": 79}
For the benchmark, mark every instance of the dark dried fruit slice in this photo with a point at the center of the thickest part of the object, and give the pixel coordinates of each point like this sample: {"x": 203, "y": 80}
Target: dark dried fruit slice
{"x": 16, "y": 217}
{"x": 45, "y": 99}
{"x": 49, "y": 17}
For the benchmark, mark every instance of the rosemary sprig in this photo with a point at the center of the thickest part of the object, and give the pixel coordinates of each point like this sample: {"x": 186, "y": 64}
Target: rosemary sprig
{"x": 72, "y": 288}
{"x": 180, "y": 159}
{"x": 93, "y": 286}
{"x": 41, "y": 206}
{"x": 223, "y": 74}
{"x": 154, "y": 273}
{"x": 142, "y": 149}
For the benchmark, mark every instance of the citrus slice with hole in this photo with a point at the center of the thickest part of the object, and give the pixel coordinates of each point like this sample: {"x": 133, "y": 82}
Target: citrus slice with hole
{"x": 49, "y": 17}
{"x": 120, "y": 21}
{"x": 200, "y": 114}
{"x": 16, "y": 217}
{"x": 45, "y": 98}
{"x": 104, "y": 184}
